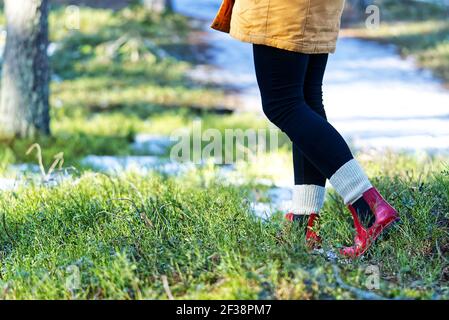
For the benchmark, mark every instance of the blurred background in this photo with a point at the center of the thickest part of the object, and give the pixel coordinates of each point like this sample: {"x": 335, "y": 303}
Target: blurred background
{"x": 107, "y": 82}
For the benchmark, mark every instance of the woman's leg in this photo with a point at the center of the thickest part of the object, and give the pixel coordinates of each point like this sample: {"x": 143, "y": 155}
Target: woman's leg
{"x": 309, "y": 191}
{"x": 281, "y": 76}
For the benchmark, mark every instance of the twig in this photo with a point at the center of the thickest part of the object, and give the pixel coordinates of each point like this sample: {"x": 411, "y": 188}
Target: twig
{"x": 59, "y": 161}
{"x": 39, "y": 157}
{"x": 359, "y": 293}
{"x": 167, "y": 287}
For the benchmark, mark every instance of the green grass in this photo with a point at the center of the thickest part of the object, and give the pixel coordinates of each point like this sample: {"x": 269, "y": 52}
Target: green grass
{"x": 122, "y": 234}
{"x": 420, "y": 30}
{"x": 410, "y": 10}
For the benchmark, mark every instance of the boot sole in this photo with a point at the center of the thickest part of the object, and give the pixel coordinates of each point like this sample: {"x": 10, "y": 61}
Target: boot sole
{"x": 386, "y": 230}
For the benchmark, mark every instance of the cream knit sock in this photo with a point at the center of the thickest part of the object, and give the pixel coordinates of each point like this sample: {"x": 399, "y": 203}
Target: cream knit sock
{"x": 350, "y": 181}
{"x": 308, "y": 199}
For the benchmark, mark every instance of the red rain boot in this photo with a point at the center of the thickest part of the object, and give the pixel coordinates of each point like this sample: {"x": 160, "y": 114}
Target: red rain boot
{"x": 313, "y": 240}
{"x": 385, "y": 216}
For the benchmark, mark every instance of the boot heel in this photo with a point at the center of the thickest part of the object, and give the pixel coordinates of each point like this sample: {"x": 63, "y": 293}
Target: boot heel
{"x": 386, "y": 217}
{"x": 388, "y": 229}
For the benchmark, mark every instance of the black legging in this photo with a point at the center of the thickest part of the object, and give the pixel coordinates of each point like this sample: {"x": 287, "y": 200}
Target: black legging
{"x": 291, "y": 88}
{"x": 305, "y": 171}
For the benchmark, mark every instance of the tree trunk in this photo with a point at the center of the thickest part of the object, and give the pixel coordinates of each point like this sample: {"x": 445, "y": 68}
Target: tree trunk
{"x": 24, "y": 106}
{"x": 158, "y": 5}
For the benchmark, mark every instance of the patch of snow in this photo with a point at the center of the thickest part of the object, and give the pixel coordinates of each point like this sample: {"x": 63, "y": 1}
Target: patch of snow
{"x": 2, "y": 42}
{"x": 141, "y": 164}
{"x": 279, "y": 200}
{"x": 379, "y": 100}
{"x": 411, "y": 143}
{"x": 262, "y": 210}
{"x": 52, "y": 48}
{"x": 120, "y": 163}
{"x": 8, "y": 184}
{"x": 23, "y": 168}
{"x": 27, "y": 174}
{"x": 152, "y": 144}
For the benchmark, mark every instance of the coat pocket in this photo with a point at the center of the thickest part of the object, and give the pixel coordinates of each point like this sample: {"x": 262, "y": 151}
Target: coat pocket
{"x": 287, "y": 19}
{"x": 323, "y": 18}
{"x": 251, "y": 16}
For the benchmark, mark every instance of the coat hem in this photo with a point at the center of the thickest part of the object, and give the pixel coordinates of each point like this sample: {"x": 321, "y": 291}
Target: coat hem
{"x": 307, "y": 48}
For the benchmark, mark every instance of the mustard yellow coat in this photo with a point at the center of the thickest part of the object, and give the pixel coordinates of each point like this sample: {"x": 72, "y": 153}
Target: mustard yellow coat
{"x": 307, "y": 26}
